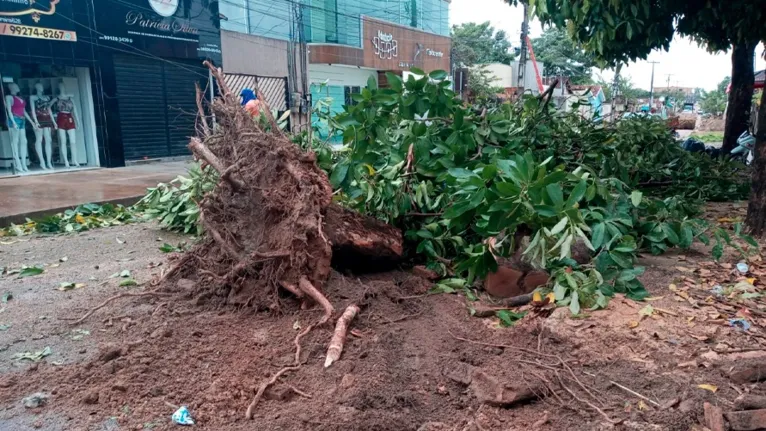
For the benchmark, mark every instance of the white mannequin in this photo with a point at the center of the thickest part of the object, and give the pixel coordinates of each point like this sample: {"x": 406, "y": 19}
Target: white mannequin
{"x": 45, "y": 123}
{"x": 15, "y": 125}
{"x": 67, "y": 121}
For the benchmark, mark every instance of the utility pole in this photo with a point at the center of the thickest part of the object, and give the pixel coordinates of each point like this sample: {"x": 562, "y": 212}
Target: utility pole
{"x": 669, "y": 75}
{"x": 521, "y": 77}
{"x": 651, "y": 86}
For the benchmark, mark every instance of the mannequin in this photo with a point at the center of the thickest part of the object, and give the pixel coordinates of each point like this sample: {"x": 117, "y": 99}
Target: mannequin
{"x": 40, "y": 106}
{"x": 17, "y": 116}
{"x": 67, "y": 122}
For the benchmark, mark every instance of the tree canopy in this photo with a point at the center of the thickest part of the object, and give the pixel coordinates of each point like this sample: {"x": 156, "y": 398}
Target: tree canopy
{"x": 474, "y": 43}
{"x": 562, "y": 57}
{"x": 620, "y": 31}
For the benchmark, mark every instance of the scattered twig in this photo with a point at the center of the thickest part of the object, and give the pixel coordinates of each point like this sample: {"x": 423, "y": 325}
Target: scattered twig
{"x": 586, "y": 402}
{"x": 114, "y": 298}
{"x": 299, "y": 392}
{"x": 632, "y": 392}
{"x": 201, "y": 111}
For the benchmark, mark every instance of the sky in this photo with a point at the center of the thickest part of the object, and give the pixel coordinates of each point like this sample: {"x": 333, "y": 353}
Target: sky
{"x": 688, "y": 64}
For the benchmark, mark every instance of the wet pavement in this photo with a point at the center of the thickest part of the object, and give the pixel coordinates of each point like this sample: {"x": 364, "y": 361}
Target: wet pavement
{"x": 37, "y": 195}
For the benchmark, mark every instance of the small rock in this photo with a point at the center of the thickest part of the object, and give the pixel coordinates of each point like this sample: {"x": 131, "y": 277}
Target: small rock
{"x": 748, "y": 420}
{"x": 423, "y": 272}
{"x": 82, "y": 351}
{"x": 442, "y": 390}
{"x": 120, "y": 386}
{"x": 90, "y": 398}
{"x": 750, "y": 402}
{"x": 489, "y": 390}
{"x": 687, "y": 406}
{"x": 157, "y": 391}
{"x": 714, "y": 417}
{"x": 347, "y": 381}
{"x": 710, "y": 355}
{"x": 749, "y": 373}
{"x": 38, "y": 399}
{"x": 162, "y": 332}
{"x": 109, "y": 352}
{"x": 460, "y": 373}
{"x": 721, "y": 348}
{"x": 690, "y": 364}
{"x": 186, "y": 284}
{"x": 37, "y": 424}
{"x": 669, "y": 404}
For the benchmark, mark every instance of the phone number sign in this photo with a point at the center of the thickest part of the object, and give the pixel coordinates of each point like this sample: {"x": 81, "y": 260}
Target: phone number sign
{"x": 37, "y": 32}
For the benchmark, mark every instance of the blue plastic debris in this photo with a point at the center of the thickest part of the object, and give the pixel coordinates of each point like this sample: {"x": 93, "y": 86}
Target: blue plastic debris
{"x": 182, "y": 416}
{"x": 717, "y": 290}
{"x": 743, "y": 268}
{"x": 740, "y": 323}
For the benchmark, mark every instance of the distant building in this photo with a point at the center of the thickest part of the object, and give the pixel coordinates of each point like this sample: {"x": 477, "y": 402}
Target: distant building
{"x": 506, "y": 76}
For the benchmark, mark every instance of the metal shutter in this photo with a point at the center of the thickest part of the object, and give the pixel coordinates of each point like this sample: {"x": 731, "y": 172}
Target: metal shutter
{"x": 157, "y": 103}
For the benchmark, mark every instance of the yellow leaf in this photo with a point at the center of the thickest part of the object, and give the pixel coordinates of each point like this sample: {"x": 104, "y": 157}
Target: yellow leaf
{"x": 551, "y": 297}
{"x": 79, "y": 219}
{"x": 633, "y": 324}
{"x": 642, "y": 406}
{"x": 370, "y": 169}
{"x": 536, "y": 297}
{"x": 726, "y": 220}
{"x": 673, "y": 287}
{"x": 711, "y": 388}
{"x": 653, "y": 298}
{"x": 751, "y": 280}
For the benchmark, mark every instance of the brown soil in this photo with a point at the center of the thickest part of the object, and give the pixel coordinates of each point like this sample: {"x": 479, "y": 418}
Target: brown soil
{"x": 403, "y": 368}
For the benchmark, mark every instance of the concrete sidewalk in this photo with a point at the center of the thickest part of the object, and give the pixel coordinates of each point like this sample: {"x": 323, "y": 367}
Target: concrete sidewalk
{"x": 38, "y": 195}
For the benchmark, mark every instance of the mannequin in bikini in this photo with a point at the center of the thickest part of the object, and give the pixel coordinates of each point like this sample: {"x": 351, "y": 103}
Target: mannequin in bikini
{"x": 17, "y": 116}
{"x": 40, "y": 105}
{"x": 67, "y": 121}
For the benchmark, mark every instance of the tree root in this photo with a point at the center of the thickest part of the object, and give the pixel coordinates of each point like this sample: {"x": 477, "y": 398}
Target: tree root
{"x": 309, "y": 289}
{"x": 263, "y": 387}
{"x": 114, "y": 298}
{"x": 306, "y": 287}
{"x": 339, "y": 336}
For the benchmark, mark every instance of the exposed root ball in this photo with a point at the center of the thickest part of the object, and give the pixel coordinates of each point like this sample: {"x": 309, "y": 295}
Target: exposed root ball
{"x": 263, "y": 220}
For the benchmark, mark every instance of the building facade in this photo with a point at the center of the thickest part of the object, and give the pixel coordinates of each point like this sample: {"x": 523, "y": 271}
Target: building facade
{"x": 98, "y": 83}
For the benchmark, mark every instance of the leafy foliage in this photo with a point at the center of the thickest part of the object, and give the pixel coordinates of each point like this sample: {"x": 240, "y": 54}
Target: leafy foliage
{"x": 562, "y": 57}
{"x": 714, "y": 102}
{"x": 82, "y": 218}
{"x": 175, "y": 205}
{"x": 474, "y": 44}
{"x": 463, "y": 182}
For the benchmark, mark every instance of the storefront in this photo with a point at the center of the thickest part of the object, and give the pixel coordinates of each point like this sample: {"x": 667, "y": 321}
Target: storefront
{"x": 337, "y": 71}
{"x": 50, "y": 90}
{"x": 151, "y": 54}
{"x": 98, "y": 83}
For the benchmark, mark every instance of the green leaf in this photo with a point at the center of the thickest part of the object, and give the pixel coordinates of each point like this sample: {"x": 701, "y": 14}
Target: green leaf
{"x": 636, "y": 197}
{"x": 670, "y": 233}
{"x": 125, "y": 273}
{"x": 128, "y": 282}
{"x": 597, "y": 236}
{"x": 30, "y": 272}
{"x": 508, "y": 317}
{"x": 560, "y": 291}
{"x": 438, "y": 75}
{"x": 717, "y": 251}
{"x": 339, "y": 174}
{"x": 394, "y": 81}
{"x": 687, "y": 237}
{"x": 621, "y": 259}
{"x": 555, "y": 194}
{"x": 7, "y": 296}
{"x": 577, "y": 194}
{"x": 574, "y": 304}
{"x": 461, "y": 173}
{"x": 560, "y": 226}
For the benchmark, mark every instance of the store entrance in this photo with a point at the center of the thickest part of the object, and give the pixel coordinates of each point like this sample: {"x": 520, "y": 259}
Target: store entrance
{"x": 48, "y": 121}
{"x": 158, "y": 106}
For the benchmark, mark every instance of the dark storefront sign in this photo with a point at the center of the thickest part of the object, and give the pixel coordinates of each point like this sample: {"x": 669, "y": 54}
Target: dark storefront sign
{"x": 38, "y": 19}
{"x": 167, "y": 28}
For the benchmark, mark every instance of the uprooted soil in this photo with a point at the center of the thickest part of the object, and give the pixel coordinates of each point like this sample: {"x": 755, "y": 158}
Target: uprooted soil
{"x": 404, "y": 367}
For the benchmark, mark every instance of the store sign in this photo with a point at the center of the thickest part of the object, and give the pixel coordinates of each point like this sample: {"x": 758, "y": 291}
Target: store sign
{"x": 37, "y": 19}
{"x": 386, "y": 47}
{"x": 173, "y": 28}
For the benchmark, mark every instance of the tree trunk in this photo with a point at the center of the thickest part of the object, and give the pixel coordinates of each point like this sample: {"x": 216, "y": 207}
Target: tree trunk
{"x": 756, "y": 208}
{"x": 741, "y": 94}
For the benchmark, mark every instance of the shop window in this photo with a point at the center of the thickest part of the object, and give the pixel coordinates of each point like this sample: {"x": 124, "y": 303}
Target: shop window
{"x": 58, "y": 99}
{"x": 347, "y": 92}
